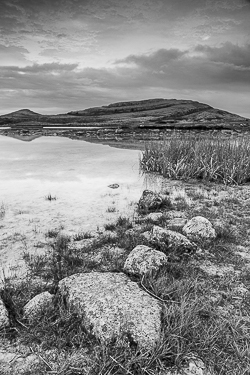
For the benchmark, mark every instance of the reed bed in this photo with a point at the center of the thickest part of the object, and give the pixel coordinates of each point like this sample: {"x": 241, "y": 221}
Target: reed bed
{"x": 205, "y": 157}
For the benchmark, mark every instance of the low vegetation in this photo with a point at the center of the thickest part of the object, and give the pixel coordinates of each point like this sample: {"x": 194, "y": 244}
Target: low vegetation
{"x": 203, "y": 157}
{"x": 204, "y": 315}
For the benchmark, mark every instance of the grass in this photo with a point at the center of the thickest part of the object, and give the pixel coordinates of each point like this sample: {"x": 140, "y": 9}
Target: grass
{"x": 110, "y": 226}
{"x": 190, "y": 324}
{"x": 52, "y": 233}
{"x": 82, "y": 236}
{"x": 219, "y": 159}
{"x": 50, "y": 198}
{"x": 111, "y": 209}
{"x": 2, "y": 211}
{"x": 202, "y": 314}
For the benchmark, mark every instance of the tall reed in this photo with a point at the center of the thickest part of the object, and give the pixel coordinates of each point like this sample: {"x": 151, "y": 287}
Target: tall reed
{"x": 219, "y": 159}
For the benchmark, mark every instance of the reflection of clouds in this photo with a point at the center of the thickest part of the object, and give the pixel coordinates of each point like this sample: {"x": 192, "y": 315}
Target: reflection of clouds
{"x": 94, "y": 168}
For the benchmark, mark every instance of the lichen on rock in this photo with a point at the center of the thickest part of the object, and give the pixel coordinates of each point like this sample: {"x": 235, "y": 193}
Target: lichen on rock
{"x": 199, "y": 228}
{"x": 143, "y": 260}
{"x": 113, "y": 306}
{"x": 36, "y": 306}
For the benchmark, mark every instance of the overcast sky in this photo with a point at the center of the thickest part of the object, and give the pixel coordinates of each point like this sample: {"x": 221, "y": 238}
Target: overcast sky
{"x": 62, "y": 55}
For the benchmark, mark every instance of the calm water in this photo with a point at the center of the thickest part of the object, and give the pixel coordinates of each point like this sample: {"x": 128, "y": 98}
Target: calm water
{"x": 77, "y": 173}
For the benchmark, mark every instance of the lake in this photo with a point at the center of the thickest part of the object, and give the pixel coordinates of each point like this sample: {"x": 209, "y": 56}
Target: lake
{"x": 77, "y": 174}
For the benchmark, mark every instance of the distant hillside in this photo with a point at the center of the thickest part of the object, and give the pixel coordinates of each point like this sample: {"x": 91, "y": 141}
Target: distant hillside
{"x": 171, "y": 109}
{"x": 22, "y": 113}
{"x": 151, "y": 113}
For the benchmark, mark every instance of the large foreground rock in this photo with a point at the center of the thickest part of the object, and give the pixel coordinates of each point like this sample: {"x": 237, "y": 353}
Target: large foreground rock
{"x": 173, "y": 240}
{"x": 111, "y": 305}
{"x": 199, "y": 228}
{"x": 144, "y": 259}
{"x": 4, "y": 316}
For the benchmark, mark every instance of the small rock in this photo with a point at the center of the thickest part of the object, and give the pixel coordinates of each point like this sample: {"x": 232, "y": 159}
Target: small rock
{"x": 134, "y": 231}
{"x": 109, "y": 234}
{"x": 113, "y": 306}
{"x": 24, "y": 365}
{"x": 176, "y": 224}
{"x": 108, "y": 251}
{"x": 150, "y": 201}
{"x": 175, "y": 215}
{"x": 147, "y": 236}
{"x": 240, "y": 291}
{"x": 174, "y": 240}
{"x": 194, "y": 367}
{"x": 113, "y": 186}
{"x": 144, "y": 259}
{"x": 35, "y": 307}
{"x": 199, "y": 228}
{"x": 154, "y": 217}
{"x": 4, "y": 316}
{"x": 81, "y": 245}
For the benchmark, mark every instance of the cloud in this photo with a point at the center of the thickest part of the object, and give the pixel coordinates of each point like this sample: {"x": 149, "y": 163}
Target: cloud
{"x": 155, "y": 60}
{"x": 170, "y": 69}
{"x": 48, "y": 68}
{"x": 227, "y": 53}
{"x": 11, "y": 54}
{"x": 214, "y": 68}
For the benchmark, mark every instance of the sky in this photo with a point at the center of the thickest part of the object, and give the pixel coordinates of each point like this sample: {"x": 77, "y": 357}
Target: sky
{"x": 62, "y": 55}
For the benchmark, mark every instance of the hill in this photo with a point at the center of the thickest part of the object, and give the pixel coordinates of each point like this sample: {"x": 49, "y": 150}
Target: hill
{"x": 151, "y": 113}
{"x": 171, "y": 109}
{"x": 22, "y": 113}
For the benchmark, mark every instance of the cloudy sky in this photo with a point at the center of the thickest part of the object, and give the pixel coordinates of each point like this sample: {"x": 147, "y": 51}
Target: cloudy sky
{"x": 62, "y": 55}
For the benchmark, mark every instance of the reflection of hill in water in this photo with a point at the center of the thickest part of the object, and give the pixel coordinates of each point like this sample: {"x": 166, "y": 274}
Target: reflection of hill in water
{"x": 25, "y": 138}
{"x": 128, "y": 144}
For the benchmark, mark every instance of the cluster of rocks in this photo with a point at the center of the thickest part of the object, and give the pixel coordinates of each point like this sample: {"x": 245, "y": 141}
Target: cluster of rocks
{"x": 111, "y": 304}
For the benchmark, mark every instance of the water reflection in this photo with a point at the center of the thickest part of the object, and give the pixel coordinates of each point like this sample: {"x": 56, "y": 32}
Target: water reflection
{"x": 77, "y": 173}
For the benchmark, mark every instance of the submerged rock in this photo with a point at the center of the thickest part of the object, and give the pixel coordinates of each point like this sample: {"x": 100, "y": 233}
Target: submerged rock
{"x": 4, "y": 316}
{"x": 113, "y": 186}
{"x": 36, "y": 306}
{"x": 144, "y": 259}
{"x": 113, "y": 306}
{"x": 199, "y": 228}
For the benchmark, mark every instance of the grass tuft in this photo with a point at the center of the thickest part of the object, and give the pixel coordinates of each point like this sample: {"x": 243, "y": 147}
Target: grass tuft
{"x": 110, "y": 226}
{"x": 82, "y": 236}
{"x": 2, "y": 211}
{"x": 50, "y": 198}
{"x": 111, "y": 209}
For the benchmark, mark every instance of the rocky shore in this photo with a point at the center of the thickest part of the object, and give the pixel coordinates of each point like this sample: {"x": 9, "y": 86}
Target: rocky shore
{"x": 180, "y": 266}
